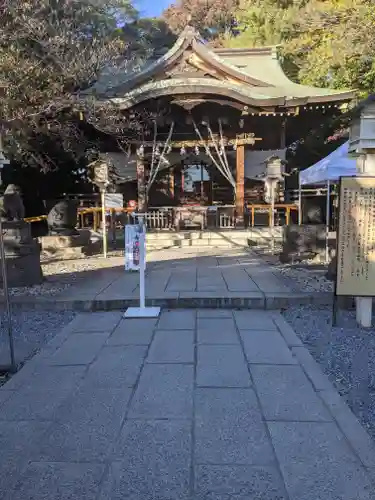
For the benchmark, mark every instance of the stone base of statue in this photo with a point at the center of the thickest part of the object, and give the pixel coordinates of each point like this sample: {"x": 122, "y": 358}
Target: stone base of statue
{"x": 301, "y": 242}
{"x": 22, "y": 255}
{"x": 67, "y": 246}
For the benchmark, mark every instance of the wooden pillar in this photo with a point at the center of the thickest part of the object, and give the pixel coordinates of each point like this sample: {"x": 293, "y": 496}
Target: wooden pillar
{"x": 141, "y": 184}
{"x": 171, "y": 183}
{"x": 240, "y": 183}
{"x": 182, "y": 182}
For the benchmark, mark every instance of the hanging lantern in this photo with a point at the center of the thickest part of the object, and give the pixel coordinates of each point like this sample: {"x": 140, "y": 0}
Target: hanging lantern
{"x": 197, "y": 150}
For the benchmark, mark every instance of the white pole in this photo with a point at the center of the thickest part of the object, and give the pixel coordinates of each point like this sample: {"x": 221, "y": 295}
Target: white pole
{"x": 104, "y": 224}
{"x": 142, "y": 298}
{"x": 272, "y": 217}
{"x": 328, "y": 212}
{"x": 299, "y": 200}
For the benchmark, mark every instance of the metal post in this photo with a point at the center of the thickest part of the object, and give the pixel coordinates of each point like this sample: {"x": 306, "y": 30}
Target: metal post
{"x": 273, "y": 216}
{"x": 142, "y": 258}
{"x": 328, "y": 213}
{"x": 104, "y": 224}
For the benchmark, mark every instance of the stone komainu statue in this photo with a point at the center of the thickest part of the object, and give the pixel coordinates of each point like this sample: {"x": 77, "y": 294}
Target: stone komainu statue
{"x": 11, "y": 204}
{"x": 62, "y": 219}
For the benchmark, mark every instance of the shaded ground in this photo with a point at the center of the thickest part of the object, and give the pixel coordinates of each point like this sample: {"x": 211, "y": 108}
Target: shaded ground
{"x": 170, "y": 273}
{"x": 31, "y": 330}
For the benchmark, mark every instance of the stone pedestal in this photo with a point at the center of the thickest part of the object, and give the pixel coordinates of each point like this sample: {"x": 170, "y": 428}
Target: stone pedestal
{"x": 302, "y": 242}
{"x": 67, "y": 247}
{"x": 22, "y": 255}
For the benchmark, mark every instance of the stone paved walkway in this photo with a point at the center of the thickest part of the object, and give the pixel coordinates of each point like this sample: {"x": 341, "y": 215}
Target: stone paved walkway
{"x": 185, "y": 274}
{"x": 212, "y": 405}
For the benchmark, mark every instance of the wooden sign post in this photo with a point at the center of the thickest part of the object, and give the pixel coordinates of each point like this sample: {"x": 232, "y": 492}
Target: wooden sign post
{"x": 101, "y": 179}
{"x": 356, "y": 244}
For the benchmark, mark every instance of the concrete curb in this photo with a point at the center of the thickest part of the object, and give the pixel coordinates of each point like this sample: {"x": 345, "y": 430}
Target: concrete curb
{"x": 356, "y": 435}
{"x": 186, "y": 300}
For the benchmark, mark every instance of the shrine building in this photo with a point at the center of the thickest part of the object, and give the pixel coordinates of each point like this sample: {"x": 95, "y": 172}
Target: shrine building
{"x": 221, "y": 116}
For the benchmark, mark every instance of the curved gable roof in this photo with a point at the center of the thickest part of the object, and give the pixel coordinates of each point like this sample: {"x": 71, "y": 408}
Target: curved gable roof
{"x": 249, "y": 75}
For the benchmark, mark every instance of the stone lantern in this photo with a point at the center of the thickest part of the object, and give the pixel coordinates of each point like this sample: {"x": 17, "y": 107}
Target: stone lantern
{"x": 362, "y": 127}
{"x": 274, "y": 174}
{"x": 362, "y": 147}
{"x": 362, "y": 136}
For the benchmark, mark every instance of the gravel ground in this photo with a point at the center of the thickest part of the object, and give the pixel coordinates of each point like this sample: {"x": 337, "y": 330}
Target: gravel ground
{"x": 346, "y": 354}
{"x": 304, "y": 276}
{"x": 62, "y": 274}
{"x": 31, "y": 330}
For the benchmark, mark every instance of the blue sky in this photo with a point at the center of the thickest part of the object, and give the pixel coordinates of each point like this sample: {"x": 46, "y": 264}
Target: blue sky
{"x": 151, "y": 8}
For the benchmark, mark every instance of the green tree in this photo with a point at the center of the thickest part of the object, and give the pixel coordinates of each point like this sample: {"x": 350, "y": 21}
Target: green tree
{"x": 214, "y": 19}
{"x": 330, "y": 43}
{"x": 333, "y": 44}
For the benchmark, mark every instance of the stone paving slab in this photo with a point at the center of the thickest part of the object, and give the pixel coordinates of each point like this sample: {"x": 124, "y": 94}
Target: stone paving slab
{"x": 182, "y": 274}
{"x": 242, "y": 482}
{"x": 133, "y": 421}
{"x": 117, "y": 366}
{"x": 164, "y": 391}
{"x": 136, "y": 332}
{"x": 222, "y": 366}
{"x": 17, "y": 441}
{"x": 60, "y": 481}
{"x": 286, "y": 394}
{"x": 316, "y": 462}
{"x": 152, "y": 461}
{"x": 79, "y": 349}
{"x": 229, "y": 428}
{"x": 172, "y": 346}
{"x": 266, "y": 347}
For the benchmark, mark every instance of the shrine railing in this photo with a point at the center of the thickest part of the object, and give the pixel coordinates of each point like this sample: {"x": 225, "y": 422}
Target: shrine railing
{"x": 178, "y": 218}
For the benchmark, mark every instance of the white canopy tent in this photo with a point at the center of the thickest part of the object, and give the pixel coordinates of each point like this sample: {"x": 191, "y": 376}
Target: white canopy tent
{"x": 326, "y": 172}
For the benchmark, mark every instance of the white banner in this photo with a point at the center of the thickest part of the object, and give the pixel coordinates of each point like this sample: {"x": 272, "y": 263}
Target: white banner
{"x": 114, "y": 200}
{"x": 133, "y": 239}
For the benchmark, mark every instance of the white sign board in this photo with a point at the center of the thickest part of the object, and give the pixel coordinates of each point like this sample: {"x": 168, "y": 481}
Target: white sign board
{"x": 114, "y": 200}
{"x": 132, "y": 248}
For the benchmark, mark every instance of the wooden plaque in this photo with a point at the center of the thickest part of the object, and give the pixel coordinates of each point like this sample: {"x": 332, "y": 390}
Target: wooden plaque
{"x": 356, "y": 237}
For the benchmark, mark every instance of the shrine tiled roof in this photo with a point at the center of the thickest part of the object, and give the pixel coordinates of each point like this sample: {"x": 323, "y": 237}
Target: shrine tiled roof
{"x": 252, "y": 76}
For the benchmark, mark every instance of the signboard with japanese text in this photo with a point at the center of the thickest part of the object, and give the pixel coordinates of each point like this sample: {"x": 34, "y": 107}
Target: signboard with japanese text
{"x": 133, "y": 241}
{"x": 356, "y": 237}
{"x": 114, "y": 200}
